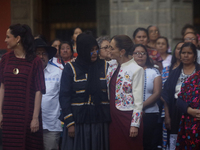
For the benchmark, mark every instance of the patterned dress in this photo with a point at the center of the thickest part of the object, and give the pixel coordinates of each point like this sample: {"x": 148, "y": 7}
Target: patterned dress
{"x": 189, "y": 130}
{"x": 18, "y": 105}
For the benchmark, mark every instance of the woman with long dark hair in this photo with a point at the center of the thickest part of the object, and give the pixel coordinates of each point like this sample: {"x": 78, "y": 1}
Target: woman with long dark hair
{"x": 152, "y": 91}
{"x": 187, "y": 67}
{"x": 22, "y": 86}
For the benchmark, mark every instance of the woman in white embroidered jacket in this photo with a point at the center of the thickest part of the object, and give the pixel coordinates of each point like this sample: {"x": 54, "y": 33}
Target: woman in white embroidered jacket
{"x": 125, "y": 81}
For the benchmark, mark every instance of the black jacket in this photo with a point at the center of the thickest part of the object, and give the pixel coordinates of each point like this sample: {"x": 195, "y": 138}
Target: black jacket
{"x": 76, "y": 106}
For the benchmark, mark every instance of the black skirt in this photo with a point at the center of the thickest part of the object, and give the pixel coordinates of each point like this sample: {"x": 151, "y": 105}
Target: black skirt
{"x": 87, "y": 137}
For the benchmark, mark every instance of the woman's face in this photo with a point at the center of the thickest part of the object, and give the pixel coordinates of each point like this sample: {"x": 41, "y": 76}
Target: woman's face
{"x": 104, "y": 50}
{"x": 77, "y": 31}
{"x": 141, "y": 38}
{"x": 187, "y": 56}
{"x": 140, "y": 56}
{"x": 94, "y": 53}
{"x": 65, "y": 51}
{"x": 161, "y": 46}
{"x": 56, "y": 44}
{"x": 177, "y": 50}
{"x": 153, "y": 33}
{"x": 114, "y": 51}
{"x": 10, "y": 40}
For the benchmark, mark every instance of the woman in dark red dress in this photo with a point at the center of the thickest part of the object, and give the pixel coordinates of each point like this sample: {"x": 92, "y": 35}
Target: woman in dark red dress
{"x": 22, "y": 85}
{"x": 126, "y": 84}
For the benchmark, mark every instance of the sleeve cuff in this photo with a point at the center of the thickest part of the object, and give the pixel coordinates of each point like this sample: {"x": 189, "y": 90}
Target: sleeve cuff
{"x": 136, "y": 118}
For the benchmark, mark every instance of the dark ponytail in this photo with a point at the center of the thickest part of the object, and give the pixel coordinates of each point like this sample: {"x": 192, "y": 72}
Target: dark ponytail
{"x": 27, "y": 39}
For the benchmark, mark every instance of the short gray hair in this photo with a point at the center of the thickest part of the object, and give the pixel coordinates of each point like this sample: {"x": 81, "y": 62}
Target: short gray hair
{"x": 101, "y": 39}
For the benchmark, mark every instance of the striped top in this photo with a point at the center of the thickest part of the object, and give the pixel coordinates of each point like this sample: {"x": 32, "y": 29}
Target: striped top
{"x": 18, "y": 105}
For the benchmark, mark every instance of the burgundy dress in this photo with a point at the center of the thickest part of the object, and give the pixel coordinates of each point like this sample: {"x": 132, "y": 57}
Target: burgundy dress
{"x": 119, "y": 128}
{"x": 18, "y": 102}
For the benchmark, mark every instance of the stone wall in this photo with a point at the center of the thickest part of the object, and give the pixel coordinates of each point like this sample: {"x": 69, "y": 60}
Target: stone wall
{"x": 168, "y": 15}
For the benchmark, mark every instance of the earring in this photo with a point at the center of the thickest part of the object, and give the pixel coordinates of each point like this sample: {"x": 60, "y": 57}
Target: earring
{"x": 18, "y": 44}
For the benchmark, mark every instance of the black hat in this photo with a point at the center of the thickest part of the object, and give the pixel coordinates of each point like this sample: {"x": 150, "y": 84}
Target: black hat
{"x": 50, "y": 50}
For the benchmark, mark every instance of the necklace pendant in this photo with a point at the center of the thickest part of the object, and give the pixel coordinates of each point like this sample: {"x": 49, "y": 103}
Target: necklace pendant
{"x": 15, "y": 71}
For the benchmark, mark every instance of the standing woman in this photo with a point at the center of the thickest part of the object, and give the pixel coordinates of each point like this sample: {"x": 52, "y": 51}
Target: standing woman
{"x": 84, "y": 99}
{"x": 152, "y": 92}
{"x": 125, "y": 81}
{"x": 188, "y": 102}
{"x": 22, "y": 86}
{"x": 188, "y": 66}
{"x": 162, "y": 46}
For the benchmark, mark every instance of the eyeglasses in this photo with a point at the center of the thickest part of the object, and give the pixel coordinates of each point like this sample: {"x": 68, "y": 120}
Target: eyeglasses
{"x": 106, "y": 47}
{"x": 94, "y": 51}
{"x": 138, "y": 53}
{"x": 190, "y": 39}
{"x": 153, "y": 31}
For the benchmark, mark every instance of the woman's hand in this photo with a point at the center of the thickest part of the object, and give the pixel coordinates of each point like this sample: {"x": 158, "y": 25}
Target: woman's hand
{"x": 1, "y": 119}
{"x": 167, "y": 122}
{"x": 34, "y": 125}
{"x": 194, "y": 113}
{"x": 133, "y": 131}
{"x": 71, "y": 131}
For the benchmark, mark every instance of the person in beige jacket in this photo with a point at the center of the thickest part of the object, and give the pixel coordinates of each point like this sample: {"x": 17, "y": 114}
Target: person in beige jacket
{"x": 125, "y": 82}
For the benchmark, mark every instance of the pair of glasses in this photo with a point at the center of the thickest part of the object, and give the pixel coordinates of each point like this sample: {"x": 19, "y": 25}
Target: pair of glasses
{"x": 138, "y": 53}
{"x": 94, "y": 51}
{"x": 106, "y": 47}
{"x": 153, "y": 31}
{"x": 190, "y": 39}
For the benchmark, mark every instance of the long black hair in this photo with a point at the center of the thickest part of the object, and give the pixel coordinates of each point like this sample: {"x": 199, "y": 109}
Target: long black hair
{"x": 27, "y": 39}
{"x": 174, "y": 59}
{"x": 148, "y": 63}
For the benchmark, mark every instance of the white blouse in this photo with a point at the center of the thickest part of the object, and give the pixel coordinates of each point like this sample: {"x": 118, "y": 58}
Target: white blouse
{"x": 167, "y": 61}
{"x": 149, "y": 75}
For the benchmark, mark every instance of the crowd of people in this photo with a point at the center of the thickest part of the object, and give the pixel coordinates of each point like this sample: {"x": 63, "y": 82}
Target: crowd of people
{"x": 102, "y": 93}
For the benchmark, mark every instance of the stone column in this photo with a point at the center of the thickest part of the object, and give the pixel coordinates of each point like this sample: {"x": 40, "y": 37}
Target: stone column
{"x": 169, "y": 15}
{"x": 22, "y": 12}
{"x": 103, "y": 17}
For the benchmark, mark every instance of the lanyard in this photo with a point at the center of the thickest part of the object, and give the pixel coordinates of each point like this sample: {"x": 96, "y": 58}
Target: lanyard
{"x": 50, "y": 62}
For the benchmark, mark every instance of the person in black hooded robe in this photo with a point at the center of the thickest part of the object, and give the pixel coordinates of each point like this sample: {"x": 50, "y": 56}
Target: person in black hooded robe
{"x": 84, "y": 99}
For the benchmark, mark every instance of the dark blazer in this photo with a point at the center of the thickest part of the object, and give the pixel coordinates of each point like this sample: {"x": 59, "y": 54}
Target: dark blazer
{"x": 169, "y": 88}
{"x": 76, "y": 106}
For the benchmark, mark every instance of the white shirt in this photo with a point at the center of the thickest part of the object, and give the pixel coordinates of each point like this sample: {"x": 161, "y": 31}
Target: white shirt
{"x": 56, "y": 61}
{"x": 149, "y": 75}
{"x": 50, "y": 101}
{"x": 182, "y": 78}
{"x": 167, "y": 61}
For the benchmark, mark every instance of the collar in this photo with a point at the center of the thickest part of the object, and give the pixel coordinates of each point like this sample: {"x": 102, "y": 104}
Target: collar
{"x": 128, "y": 62}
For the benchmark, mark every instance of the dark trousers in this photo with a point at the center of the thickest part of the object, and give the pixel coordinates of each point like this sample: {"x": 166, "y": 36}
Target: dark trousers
{"x": 149, "y": 124}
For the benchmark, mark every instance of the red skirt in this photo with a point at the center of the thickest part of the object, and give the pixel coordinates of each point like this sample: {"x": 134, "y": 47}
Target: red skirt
{"x": 119, "y": 128}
